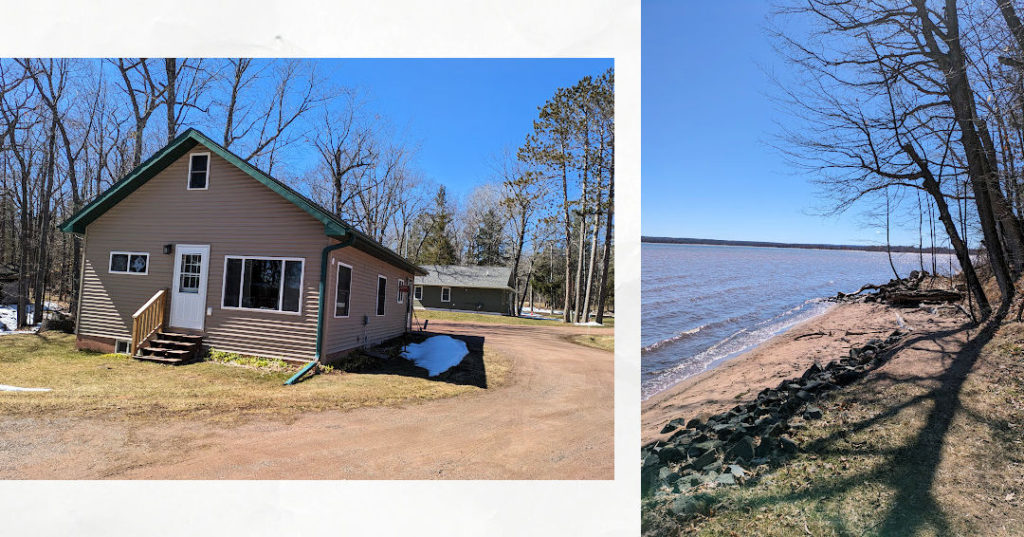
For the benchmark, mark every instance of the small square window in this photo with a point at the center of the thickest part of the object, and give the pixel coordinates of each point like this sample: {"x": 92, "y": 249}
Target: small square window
{"x": 198, "y": 171}
{"x": 129, "y": 263}
{"x": 121, "y": 346}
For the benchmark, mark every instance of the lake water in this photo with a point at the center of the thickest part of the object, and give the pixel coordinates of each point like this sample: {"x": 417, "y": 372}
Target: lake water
{"x": 704, "y": 304}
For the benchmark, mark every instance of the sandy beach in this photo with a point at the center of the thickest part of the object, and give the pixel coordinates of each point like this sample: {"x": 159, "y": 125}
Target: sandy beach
{"x": 822, "y": 338}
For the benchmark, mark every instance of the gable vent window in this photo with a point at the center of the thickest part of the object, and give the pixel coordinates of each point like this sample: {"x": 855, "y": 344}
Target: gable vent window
{"x": 198, "y": 171}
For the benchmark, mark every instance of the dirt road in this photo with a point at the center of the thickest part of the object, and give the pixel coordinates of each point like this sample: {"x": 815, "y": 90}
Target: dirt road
{"x": 553, "y": 421}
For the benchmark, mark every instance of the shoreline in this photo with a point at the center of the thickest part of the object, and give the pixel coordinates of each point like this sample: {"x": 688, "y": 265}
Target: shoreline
{"x": 717, "y": 362}
{"x": 729, "y": 381}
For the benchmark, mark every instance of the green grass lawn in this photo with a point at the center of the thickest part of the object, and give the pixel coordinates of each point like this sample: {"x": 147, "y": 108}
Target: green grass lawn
{"x": 461, "y": 316}
{"x": 86, "y": 383}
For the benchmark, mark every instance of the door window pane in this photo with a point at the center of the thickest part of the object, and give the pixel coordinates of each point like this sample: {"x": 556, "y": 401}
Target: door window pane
{"x": 191, "y": 267}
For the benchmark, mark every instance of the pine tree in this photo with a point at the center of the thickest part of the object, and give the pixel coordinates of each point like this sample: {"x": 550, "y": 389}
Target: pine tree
{"x": 438, "y": 247}
{"x": 490, "y": 245}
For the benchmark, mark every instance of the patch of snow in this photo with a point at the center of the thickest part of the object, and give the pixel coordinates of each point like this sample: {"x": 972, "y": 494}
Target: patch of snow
{"x": 591, "y": 323}
{"x": 6, "y": 388}
{"x": 9, "y": 317}
{"x": 436, "y": 354}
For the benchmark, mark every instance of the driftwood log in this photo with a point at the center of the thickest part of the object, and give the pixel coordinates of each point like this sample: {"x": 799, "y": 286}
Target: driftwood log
{"x": 904, "y": 292}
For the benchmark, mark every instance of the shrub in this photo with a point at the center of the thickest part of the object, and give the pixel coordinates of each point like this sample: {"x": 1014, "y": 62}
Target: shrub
{"x": 257, "y": 362}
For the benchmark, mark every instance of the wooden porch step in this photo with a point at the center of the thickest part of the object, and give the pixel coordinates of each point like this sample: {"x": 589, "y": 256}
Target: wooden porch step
{"x": 177, "y": 336}
{"x": 172, "y": 344}
{"x": 161, "y": 359}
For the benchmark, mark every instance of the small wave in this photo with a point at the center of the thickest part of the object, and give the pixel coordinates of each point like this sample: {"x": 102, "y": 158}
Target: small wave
{"x": 678, "y": 337}
{"x": 688, "y": 334}
{"x": 732, "y": 345}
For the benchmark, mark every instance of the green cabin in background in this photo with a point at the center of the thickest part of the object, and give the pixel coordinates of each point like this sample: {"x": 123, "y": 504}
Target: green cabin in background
{"x": 465, "y": 288}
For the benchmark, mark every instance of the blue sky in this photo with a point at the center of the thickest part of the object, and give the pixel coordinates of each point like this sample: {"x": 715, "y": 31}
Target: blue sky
{"x": 708, "y": 169}
{"x": 461, "y": 113}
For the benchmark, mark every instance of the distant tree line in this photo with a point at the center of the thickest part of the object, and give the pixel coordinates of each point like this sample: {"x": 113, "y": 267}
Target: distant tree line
{"x": 70, "y": 128}
{"x": 762, "y": 244}
{"x": 916, "y": 108}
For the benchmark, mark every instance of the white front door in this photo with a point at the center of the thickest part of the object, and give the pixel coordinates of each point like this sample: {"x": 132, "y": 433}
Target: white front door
{"x": 188, "y": 289}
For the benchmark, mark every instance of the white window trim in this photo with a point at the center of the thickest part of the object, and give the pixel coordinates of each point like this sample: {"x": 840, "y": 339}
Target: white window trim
{"x": 401, "y": 298}
{"x": 449, "y": 294}
{"x": 127, "y": 344}
{"x": 417, "y": 292}
{"x": 377, "y": 293}
{"x": 280, "y": 296}
{"x": 188, "y": 179}
{"x": 129, "y": 254}
{"x": 337, "y": 281}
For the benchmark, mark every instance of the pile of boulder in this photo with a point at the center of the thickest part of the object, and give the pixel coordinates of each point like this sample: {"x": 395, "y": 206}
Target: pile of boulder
{"x": 730, "y": 447}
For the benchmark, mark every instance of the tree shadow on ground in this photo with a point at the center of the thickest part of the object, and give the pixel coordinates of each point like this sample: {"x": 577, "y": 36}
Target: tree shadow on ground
{"x": 471, "y": 371}
{"x": 908, "y": 470}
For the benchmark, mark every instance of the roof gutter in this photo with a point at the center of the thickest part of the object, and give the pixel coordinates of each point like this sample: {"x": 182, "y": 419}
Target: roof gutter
{"x": 325, "y": 255}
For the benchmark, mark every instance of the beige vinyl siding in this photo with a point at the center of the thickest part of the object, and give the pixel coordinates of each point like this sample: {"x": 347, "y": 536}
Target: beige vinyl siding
{"x": 235, "y": 215}
{"x": 342, "y": 334}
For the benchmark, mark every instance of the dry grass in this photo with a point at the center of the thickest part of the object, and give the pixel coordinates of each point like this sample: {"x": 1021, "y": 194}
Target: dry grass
{"x": 603, "y": 342}
{"x": 931, "y": 456}
{"x": 466, "y": 317}
{"x": 91, "y": 384}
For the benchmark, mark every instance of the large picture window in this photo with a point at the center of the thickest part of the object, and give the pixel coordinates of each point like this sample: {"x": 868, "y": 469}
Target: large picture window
{"x": 129, "y": 263}
{"x": 382, "y": 292}
{"x": 198, "y": 171}
{"x": 263, "y": 283}
{"x": 343, "y": 294}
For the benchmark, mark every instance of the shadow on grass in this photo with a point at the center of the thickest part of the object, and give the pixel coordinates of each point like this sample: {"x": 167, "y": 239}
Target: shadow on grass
{"x": 471, "y": 371}
{"x": 909, "y": 470}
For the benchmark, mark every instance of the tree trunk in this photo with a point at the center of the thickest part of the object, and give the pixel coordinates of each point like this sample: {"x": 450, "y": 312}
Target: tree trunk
{"x": 602, "y": 294}
{"x": 932, "y": 187}
{"x": 171, "y": 96}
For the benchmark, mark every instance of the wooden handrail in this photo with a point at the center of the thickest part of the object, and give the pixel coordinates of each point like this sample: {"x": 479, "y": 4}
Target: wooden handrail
{"x": 148, "y": 319}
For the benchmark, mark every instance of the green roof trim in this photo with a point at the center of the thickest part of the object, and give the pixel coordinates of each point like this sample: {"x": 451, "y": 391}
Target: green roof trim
{"x": 333, "y": 226}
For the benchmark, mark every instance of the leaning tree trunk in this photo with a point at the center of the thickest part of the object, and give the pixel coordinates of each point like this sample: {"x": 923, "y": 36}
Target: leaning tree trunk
{"x": 963, "y": 255}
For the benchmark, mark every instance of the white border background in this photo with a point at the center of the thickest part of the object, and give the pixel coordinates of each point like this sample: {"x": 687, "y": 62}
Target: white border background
{"x": 438, "y": 28}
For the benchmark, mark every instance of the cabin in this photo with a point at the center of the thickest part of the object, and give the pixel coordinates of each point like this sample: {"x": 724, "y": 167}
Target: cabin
{"x": 198, "y": 248}
{"x": 466, "y": 288}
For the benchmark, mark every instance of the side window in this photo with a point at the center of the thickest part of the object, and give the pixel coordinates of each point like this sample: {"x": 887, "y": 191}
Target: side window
{"x": 446, "y": 294}
{"x": 417, "y": 292}
{"x": 198, "y": 171}
{"x": 344, "y": 291}
{"x": 382, "y": 291}
{"x": 401, "y": 295}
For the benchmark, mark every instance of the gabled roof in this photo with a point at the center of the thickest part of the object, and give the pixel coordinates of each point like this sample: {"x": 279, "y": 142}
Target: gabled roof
{"x": 334, "y": 227}
{"x": 467, "y": 276}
